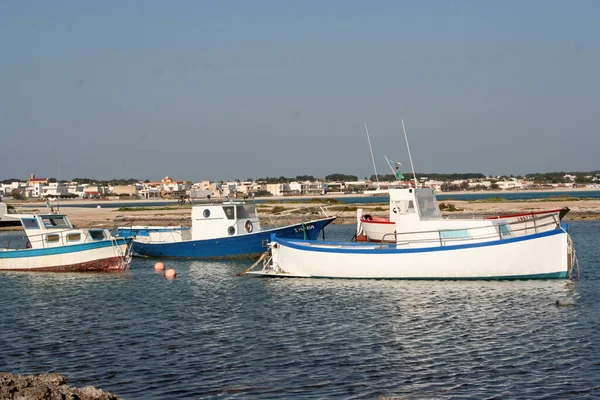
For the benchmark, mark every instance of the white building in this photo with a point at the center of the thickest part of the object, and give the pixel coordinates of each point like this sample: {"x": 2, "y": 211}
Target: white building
{"x": 54, "y": 189}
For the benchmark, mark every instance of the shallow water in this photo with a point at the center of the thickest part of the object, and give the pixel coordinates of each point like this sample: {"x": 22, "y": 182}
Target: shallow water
{"x": 351, "y": 199}
{"x": 209, "y": 333}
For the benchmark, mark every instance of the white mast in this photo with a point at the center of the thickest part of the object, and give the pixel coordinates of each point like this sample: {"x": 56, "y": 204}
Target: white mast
{"x": 372, "y": 158}
{"x": 409, "y": 156}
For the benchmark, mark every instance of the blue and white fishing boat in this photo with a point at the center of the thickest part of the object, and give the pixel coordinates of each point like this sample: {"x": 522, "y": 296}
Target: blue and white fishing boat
{"x": 422, "y": 245}
{"x": 55, "y": 245}
{"x": 228, "y": 230}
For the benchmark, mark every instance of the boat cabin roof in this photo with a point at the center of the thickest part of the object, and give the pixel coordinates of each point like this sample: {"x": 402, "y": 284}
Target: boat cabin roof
{"x": 42, "y": 221}
{"x": 227, "y": 210}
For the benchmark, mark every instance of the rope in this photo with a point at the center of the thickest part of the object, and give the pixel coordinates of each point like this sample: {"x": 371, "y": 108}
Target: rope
{"x": 574, "y": 259}
{"x": 265, "y": 254}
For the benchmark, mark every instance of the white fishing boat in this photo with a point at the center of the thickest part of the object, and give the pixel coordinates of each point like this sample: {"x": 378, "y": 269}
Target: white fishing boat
{"x": 414, "y": 208}
{"x": 416, "y": 242}
{"x": 495, "y": 250}
{"x": 53, "y": 244}
{"x": 418, "y": 209}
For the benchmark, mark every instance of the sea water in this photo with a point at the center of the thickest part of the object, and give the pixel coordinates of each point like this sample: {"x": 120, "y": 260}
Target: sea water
{"x": 211, "y": 334}
{"x": 350, "y": 199}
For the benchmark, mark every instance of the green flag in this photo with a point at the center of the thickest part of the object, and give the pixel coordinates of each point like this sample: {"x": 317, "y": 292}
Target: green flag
{"x": 399, "y": 175}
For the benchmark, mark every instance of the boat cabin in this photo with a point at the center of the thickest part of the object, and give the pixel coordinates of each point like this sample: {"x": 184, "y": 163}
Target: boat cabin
{"x": 231, "y": 218}
{"x": 417, "y": 209}
{"x": 55, "y": 230}
{"x": 413, "y": 203}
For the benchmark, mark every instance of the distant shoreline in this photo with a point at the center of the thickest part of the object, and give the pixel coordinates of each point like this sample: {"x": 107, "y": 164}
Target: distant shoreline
{"x": 101, "y": 202}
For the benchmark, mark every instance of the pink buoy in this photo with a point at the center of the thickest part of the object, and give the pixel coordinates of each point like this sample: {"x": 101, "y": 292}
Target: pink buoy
{"x": 159, "y": 266}
{"x": 170, "y": 273}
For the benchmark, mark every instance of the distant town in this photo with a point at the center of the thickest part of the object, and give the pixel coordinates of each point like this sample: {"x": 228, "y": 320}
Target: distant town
{"x": 303, "y": 185}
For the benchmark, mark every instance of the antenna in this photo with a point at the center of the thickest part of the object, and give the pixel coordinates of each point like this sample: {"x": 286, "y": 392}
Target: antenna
{"x": 58, "y": 186}
{"x": 409, "y": 156}
{"x": 372, "y": 158}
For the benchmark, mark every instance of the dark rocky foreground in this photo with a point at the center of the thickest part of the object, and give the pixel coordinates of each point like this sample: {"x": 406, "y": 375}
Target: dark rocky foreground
{"x": 47, "y": 387}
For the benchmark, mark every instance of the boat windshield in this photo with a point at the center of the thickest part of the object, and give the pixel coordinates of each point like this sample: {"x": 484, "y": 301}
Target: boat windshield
{"x": 246, "y": 211}
{"x": 55, "y": 221}
{"x": 428, "y": 206}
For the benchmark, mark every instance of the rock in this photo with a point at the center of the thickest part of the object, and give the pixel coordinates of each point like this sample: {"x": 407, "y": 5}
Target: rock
{"x": 565, "y": 302}
{"x": 48, "y": 387}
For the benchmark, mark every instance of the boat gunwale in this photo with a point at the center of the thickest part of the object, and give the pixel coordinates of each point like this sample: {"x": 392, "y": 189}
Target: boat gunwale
{"x": 65, "y": 249}
{"x": 355, "y": 248}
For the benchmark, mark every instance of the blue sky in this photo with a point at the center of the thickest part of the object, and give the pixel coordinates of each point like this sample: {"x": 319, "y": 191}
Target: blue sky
{"x": 236, "y": 89}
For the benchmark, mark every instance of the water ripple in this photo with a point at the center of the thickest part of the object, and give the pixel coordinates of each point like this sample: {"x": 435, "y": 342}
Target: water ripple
{"x": 210, "y": 334}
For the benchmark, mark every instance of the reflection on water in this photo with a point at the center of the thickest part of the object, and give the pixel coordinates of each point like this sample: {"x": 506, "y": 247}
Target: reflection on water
{"x": 209, "y": 333}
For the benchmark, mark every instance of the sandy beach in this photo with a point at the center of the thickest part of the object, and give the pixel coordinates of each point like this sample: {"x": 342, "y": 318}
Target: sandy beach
{"x": 110, "y": 217}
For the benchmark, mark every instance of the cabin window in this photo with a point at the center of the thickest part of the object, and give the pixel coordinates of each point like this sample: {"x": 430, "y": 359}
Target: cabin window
{"x": 52, "y": 238}
{"x": 30, "y": 223}
{"x": 229, "y": 212}
{"x": 231, "y": 230}
{"x": 74, "y": 237}
{"x": 51, "y": 221}
{"x": 428, "y": 207}
{"x": 97, "y": 234}
{"x": 411, "y": 207}
{"x": 246, "y": 211}
{"x": 206, "y": 213}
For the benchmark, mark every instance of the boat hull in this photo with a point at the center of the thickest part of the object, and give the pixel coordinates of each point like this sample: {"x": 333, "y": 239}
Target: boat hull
{"x": 103, "y": 256}
{"x": 538, "y": 256}
{"x": 251, "y": 245}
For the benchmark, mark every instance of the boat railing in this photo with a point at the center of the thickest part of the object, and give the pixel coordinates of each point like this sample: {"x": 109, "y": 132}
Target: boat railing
{"x": 289, "y": 217}
{"x": 493, "y": 231}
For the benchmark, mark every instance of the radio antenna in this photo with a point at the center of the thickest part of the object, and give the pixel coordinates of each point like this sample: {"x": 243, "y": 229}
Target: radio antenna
{"x": 409, "y": 156}
{"x": 372, "y": 158}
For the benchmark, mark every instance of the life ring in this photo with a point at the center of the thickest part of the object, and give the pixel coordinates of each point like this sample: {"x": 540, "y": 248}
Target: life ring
{"x": 249, "y": 227}
{"x": 368, "y": 218}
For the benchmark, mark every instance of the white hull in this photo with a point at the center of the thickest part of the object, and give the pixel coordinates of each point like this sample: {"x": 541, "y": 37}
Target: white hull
{"x": 84, "y": 257}
{"x": 543, "y": 255}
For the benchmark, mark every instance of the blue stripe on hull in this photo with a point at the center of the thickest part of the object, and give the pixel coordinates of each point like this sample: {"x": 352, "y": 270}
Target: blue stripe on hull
{"x": 74, "y": 248}
{"x": 243, "y": 246}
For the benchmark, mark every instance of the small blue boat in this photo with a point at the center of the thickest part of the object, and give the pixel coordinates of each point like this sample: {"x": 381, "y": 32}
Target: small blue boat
{"x": 228, "y": 230}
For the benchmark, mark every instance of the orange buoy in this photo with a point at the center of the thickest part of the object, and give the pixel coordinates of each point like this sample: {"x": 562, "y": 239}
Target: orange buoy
{"x": 170, "y": 273}
{"x": 159, "y": 266}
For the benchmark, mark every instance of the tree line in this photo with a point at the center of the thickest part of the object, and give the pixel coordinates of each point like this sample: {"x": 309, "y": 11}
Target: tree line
{"x": 540, "y": 178}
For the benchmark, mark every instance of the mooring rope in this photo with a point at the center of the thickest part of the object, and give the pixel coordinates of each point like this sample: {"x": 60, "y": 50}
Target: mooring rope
{"x": 265, "y": 254}
{"x": 574, "y": 259}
